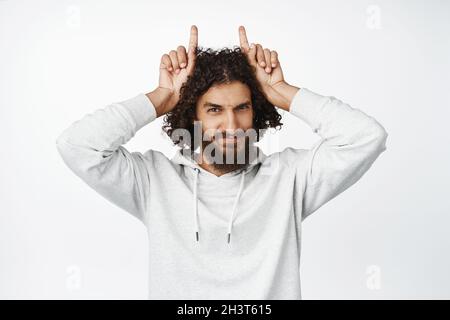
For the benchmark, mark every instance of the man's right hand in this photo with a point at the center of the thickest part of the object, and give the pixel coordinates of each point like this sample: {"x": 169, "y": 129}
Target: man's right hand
{"x": 174, "y": 70}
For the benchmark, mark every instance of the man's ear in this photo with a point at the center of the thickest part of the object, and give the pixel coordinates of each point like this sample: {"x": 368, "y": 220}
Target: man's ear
{"x": 196, "y": 108}
{"x": 195, "y": 116}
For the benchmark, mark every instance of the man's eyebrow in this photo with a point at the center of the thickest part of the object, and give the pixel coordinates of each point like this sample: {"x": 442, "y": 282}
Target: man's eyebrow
{"x": 210, "y": 104}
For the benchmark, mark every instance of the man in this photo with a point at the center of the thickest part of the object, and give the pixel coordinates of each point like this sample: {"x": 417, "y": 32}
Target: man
{"x": 222, "y": 230}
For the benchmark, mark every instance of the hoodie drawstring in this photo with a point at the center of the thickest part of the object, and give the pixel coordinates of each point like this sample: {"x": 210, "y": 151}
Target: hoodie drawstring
{"x": 196, "y": 202}
{"x": 230, "y": 224}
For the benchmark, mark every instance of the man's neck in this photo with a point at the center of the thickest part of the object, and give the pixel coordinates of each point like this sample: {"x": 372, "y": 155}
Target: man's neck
{"x": 220, "y": 169}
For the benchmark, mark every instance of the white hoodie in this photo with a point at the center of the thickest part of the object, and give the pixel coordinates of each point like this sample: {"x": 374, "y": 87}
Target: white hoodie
{"x": 237, "y": 236}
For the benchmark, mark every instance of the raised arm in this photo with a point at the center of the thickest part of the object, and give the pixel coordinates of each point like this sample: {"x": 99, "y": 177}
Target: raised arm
{"x": 92, "y": 147}
{"x": 350, "y": 143}
{"x": 350, "y": 139}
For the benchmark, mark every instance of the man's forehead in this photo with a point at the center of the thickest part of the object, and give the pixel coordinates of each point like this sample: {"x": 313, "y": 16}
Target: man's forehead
{"x": 227, "y": 95}
{"x": 224, "y": 104}
{"x": 225, "y": 99}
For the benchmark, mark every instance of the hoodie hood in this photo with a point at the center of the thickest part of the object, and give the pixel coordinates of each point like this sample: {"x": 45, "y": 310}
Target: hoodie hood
{"x": 185, "y": 160}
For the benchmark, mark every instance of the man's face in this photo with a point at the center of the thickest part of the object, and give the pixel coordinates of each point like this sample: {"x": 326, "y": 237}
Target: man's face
{"x": 226, "y": 109}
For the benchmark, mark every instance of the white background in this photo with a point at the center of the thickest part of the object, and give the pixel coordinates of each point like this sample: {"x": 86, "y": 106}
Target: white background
{"x": 385, "y": 237}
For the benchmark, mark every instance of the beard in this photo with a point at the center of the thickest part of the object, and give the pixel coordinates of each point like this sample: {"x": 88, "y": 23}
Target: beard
{"x": 228, "y": 156}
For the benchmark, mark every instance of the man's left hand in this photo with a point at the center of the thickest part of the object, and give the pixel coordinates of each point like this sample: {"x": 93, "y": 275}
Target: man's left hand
{"x": 268, "y": 72}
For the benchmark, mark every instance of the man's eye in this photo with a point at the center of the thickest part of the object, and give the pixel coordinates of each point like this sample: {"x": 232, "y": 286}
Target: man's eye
{"x": 214, "y": 109}
{"x": 244, "y": 107}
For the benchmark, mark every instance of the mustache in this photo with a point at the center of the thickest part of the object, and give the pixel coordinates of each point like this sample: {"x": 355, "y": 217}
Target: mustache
{"x": 224, "y": 135}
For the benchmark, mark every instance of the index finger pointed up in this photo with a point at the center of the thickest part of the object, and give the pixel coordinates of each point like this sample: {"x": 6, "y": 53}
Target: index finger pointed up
{"x": 193, "y": 40}
{"x": 243, "y": 39}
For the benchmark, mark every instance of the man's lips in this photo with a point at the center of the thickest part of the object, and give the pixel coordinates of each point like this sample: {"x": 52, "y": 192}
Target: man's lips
{"x": 228, "y": 140}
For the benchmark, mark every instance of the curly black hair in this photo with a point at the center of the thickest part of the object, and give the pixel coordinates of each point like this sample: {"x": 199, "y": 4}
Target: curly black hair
{"x": 213, "y": 67}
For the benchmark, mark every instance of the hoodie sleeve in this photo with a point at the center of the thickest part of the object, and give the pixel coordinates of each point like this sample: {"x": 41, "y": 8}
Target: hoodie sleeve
{"x": 92, "y": 148}
{"x": 350, "y": 142}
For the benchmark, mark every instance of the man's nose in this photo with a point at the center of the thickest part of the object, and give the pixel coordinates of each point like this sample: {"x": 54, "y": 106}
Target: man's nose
{"x": 230, "y": 122}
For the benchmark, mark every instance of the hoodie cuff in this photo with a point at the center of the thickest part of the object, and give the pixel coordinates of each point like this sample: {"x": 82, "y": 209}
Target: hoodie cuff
{"x": 141, "y": 109}
{"x": 306, "y": 105}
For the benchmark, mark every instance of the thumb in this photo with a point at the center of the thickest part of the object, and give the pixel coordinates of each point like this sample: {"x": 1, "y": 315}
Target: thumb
{"x": 164, "y": 65}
